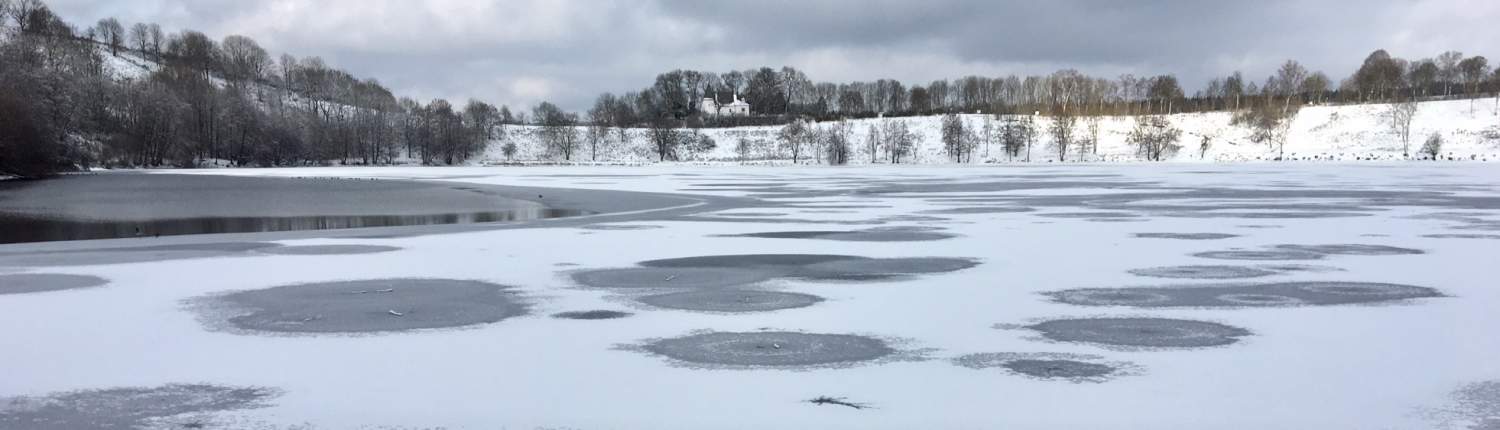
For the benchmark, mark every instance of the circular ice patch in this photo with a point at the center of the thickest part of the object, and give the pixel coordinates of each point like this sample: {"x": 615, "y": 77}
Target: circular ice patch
{"x": 749, "y": 260}
{"x": 384, "y": 305}
{"x": 1348, "y": 249}
{"x": 1203, "y": 272}
{"x": 977, "y": 210}
{"x": 1267, "y": 255}
{"x": 672, "y": 277}
{"x": 771, "y": 349}
{"x": 127, "y": 408}
{"x": 329, "y": 249}
{"x": 1462, "y": 236}
{"x": 1260, "y": 300}
{"x": 1111, "y": 297}
{"x": 1141, "y": 332}
{"x": 1067, "y": 369}
{"x": 42, "y": 282}
{"x": 1364, "y": 289}
{"x": 855, "y": 236}
{"x": 733, "y": 301}
{"x": 1187, "y": 236}
{"x": 129, "y": 255}
{"x": 1089, "y": 215}
{"x": 591, "y": 315}
{"x": 876, "y": 268}
{"x": 621, "y": 227}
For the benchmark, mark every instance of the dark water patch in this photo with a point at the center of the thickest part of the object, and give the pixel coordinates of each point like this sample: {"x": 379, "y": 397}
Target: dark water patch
{"x": 1089, "y": 215}
{"x": 702, "y": 218}
{"x": 108, "y": 206}
{"x": 1462, "y": 236}
{"x": 128, "y": 255}
{"x": 1474, "y": 406}
{"x": 591, "y": 315}
{"x": 1300, "y": 268}
{"x": 369, "y": 306}
{"x": 833, "y": 206}
{"x": 750, "y": 214}
{"x": 1352, "y": 249}
{"x": 731, "y": 301}
{"x": 168, "y": 406}
{"x": 771, "y": 349}
{"x": 1116, "y": 220}
{"x": 1280, "y": 294}
{"x": 765, "y": 266}
{"x": 1478, "y": 227}
{"x": 44, "y": 282}
{"x": 853, "y": 236}
{"x": 1187, "y": 236}
{"x": 1261, "y": 226}
{"x": 748, "y": 260}
{"x": 1265, "y": 215}
{"x": 910, "y": 218}
{"x": 1265, "y": 255}
{"x": 1141, "y": 332}
{"x": 977, "y": 210}
{"x": 1076, "y": 368}
{"x": 1066, "y": 369}
{"x": 741, "y": 185}
{"x": 1203, "y": 272}
{"x": 674, "y": 277}
{"x": 621, "y": 227}
{"x": 882, "y": 268}
{"x": 330, "y": 250}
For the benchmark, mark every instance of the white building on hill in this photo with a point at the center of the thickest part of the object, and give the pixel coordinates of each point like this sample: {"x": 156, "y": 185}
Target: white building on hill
{"x": 712, "y": 106}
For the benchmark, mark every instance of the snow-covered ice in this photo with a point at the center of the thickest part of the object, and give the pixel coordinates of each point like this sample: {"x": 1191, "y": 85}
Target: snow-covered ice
{"x": 996, "y": 345}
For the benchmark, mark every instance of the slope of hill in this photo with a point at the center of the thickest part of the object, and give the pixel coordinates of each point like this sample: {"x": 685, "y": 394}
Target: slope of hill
{"x": 1470, "y": 131}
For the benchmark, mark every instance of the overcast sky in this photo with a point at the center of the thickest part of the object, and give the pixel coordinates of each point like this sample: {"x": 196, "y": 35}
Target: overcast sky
{"x": 519, "y": 52}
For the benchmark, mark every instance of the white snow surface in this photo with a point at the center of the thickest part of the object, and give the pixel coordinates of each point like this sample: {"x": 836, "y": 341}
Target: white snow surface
{"x": 1338, "y": 367}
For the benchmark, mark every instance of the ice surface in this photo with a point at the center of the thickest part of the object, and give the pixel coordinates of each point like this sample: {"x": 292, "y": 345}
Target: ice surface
{"x": 1363, "y": 365}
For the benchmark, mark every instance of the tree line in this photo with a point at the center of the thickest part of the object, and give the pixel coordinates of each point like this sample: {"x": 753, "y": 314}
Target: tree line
{"x": 789, "y": 93}
{"x": 200, "y": 101}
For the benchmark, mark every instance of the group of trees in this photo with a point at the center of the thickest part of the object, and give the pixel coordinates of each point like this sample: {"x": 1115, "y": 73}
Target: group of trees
{"x": 197, "y": 100}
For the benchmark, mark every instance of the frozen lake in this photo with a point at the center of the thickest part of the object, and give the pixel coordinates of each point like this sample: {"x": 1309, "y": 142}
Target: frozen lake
{"x": 1083, "y": 296}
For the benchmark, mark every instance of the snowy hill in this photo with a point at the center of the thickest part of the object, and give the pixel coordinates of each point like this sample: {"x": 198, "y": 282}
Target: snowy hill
{"x": 1346, "y": 132}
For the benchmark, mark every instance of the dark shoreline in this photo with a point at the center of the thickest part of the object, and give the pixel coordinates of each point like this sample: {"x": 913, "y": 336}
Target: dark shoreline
{"x": 586, "y": 207}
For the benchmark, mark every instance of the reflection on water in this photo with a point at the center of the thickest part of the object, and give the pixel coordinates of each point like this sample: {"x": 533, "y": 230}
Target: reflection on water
{"x": 21, "y": 228}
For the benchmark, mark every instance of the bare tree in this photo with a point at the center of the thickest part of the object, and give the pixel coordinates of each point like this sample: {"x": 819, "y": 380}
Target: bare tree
{"x": 599, "y": 120}
{"x": 836, "y": 142}
{"x": 899, "y": 140}
{"x": 1474, "y": 70}
{"x": 243, "y": 59}
{"x": 873, "y": 142}
{"x": 140, "y": 37}
{"x": 559, "y": 129}
{"x": 1062, "y": 133}
{"x": 1154, "y": 137}
{"x": 1448, "y": 72}
{"x": 664, "y": 138}
{"x": 112, "y": 34}
{"x": 795, "y": 137}
{"x": 1399, "y": 117}
{"x": 953, "y": 137}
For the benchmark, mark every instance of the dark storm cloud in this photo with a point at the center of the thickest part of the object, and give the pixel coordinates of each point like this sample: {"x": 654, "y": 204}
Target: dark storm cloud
{"x": 522, "y": 51}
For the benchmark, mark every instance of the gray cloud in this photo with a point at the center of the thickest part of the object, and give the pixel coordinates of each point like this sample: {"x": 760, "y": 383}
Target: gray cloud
{"x": 518, "y": 52}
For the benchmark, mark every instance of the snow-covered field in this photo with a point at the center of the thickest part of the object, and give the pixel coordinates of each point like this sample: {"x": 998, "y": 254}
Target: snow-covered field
{"x": 1394, "y": 336}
